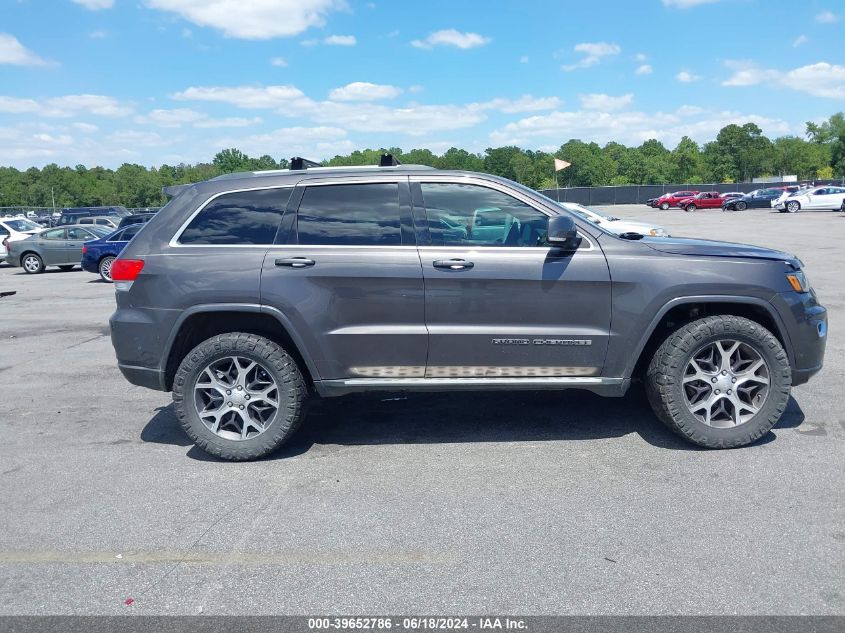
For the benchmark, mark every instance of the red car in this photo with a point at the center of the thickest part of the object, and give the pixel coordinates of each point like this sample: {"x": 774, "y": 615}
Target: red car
{"x": 672, "y": 199}
{"x": 704, "y": 200}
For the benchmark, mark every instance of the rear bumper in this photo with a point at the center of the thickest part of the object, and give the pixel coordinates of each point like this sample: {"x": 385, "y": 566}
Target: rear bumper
{"x": 139, "y": 336}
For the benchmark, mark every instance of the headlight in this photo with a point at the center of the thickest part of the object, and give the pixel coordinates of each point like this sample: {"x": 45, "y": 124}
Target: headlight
{"x": 798, "y": 281}
{"x": 657, "y": 232}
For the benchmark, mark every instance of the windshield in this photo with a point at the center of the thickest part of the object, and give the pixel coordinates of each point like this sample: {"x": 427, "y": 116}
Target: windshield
{"x": 21, "y": 225}
{"x": 100, "y": 231}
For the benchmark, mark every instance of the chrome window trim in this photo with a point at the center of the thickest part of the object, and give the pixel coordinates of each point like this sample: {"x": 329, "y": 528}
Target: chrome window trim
{"x": 175, "y": 243}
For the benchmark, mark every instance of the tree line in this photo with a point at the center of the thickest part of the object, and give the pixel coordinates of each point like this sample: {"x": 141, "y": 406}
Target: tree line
{"x": 738, "y": 154}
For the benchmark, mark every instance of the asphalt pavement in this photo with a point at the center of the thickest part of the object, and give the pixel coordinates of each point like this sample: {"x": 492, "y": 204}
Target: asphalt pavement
{"x": 470, "y": 503}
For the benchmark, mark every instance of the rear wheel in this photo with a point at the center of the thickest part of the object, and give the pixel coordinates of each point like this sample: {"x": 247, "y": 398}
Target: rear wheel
{"x": 105, "y": 268}
{"x": 720, "y": 382}
{"x": 32, "y": 264}
{"x": 793, "y": 206}
{"x": 664, "y": 205}
{"x": 239, "y": 396}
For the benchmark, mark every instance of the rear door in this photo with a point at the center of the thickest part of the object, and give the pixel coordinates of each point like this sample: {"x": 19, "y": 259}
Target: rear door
{"x": 52, "y": 246}
{"x": 505, "y": 304}
{"x": 346, "y": 274}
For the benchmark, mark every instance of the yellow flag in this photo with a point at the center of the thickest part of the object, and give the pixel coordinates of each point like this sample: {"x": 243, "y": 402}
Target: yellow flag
{"x": 561, "y": 164}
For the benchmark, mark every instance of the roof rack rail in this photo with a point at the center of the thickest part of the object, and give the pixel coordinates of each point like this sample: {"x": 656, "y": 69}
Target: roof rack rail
{"x": 297, "y": 163}
{"x": 388, "y": 160}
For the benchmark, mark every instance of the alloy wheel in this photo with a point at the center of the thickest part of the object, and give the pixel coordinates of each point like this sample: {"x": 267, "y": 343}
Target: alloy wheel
{"x": 236, "y": 398}
{"x": 105, "y": 268}
{"x": 31, "y": 264}
{"x": 726, "y": 383}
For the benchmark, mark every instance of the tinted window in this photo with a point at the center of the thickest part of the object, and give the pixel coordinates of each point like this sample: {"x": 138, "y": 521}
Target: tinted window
{"x": 471, "y": 215}
{"x": 76, "y": 233}
{"x": 124, "y": 235}
{"x": 365, "y": 215}
{"x": 244, "y": 217}
{"x": 54, "y": 234}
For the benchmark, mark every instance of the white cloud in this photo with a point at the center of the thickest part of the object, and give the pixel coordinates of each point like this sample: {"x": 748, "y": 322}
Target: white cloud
{"x": 451, "y": 37}
{"x": 88, "y": 128}
{"x": 686, "y": 4}
{"x": 279, "y": 62}
{"x": 232, "y": 121}
{"x": 629, "y": 127}
{"x": 340, "y": 40}
{"x": 66, "y": 106}
{"x": 686, "y": 77}
{"x": 257, "y": 97}
{"x": 364, "y": 91}
{"x": 171, "y": 118}
{"x": 14, "y": 53}
{"x": 592, "y": 52}
{"x": 820, "y": 80}
{"x": 798, "y": 41}
{"x": 254, "y": 20}
{"x": 827, "y": 17}
{"x": 136, "y": 138}
{"x": 605, "y": 102}
{"x": 645, "y": 69}
{"x": 315, "y": 142}
{"x": 525, "y": 103}
{"x": 95, "y": 5}
{"x": 413, "y": 120}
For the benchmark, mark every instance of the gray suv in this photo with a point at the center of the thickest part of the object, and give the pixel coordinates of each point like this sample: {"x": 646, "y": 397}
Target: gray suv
{"x": 250, "y": 292}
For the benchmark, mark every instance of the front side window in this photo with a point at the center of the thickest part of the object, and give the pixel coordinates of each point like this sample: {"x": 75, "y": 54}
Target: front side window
{"x": 242, "y": 217}
{"x": 350, "y": 215}
{"x": 472, "y": 215}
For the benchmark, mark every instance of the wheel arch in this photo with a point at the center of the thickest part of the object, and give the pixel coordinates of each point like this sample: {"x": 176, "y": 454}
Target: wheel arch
{"x": 204, "y": 321}
{"x": 30, "y": 252}
{"x": 681, "y": 310}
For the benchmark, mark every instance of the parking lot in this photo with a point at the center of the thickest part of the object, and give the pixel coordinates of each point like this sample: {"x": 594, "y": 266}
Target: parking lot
{"x": 470, "y": 503}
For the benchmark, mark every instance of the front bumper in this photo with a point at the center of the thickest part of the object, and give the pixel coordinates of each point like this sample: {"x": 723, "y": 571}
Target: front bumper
{"x": 806, "y": 325}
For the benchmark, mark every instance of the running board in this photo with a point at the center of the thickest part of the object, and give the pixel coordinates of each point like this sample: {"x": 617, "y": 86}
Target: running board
{"x": 602, "y": 386}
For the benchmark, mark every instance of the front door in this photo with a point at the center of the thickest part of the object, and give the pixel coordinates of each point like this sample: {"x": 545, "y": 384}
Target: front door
{"x": 347, "y": 275}
{"x": 76, "y": 237}
{"x": 499, "y": 301}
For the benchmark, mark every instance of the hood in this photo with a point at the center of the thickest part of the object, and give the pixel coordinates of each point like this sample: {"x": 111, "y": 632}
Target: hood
{"x": 712, "y": 248}
{"x": 630, "y": 225}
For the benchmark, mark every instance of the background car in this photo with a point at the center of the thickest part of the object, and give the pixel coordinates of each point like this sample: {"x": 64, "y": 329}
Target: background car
{"x": 100, "y": 220}
{"x": 668, "y": 200}
{"x": 74, "y": 214}
{"x": 135, "y": 218}
{"x": 732, "y": 194}
{"x": 703, "y": 200}
{"x": 820, "y": 198}
{"x": 60, "y": 247}
{"x": 14, "y": 229}
{"x": 98, "y": 255}
{"x": 757, "y": 199}
{"x": 614, "y": 224}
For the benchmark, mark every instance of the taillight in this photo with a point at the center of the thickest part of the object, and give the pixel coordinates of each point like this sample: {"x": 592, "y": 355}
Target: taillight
{"x": 84, "y": 249}
{"x": 125, "y": 271}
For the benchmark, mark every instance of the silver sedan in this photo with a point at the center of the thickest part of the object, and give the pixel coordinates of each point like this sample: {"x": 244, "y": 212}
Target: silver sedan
{"x": 60, "y": 247}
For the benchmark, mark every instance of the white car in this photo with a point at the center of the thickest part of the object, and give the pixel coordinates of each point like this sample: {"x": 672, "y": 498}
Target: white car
{"x": 811, "y": 198}
{"x": 614, "y": 224}
{"x": 14, "y": 229}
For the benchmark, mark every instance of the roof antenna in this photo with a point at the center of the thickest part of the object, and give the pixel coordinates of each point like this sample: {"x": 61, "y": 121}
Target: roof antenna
{"x": 298, "y": 163}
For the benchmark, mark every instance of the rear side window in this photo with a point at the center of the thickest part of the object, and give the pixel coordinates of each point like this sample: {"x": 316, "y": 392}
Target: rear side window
{"x": 350, "y": 215}
{"x": 242, "y": 217}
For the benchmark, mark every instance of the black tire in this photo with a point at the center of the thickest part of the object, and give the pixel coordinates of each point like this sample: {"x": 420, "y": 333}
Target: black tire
{"x": 32, "y": 264}
{"x": 793, "y": 206}
{"x": 690, "y": 208}
{"x": 104, "y": 267}
{"x": 66, "y": 267}
{"x": 665, "y": 390}
{"x": 292, "y": 394}
{"x": 664, "y": 206}
{"x": 741, "y": 206}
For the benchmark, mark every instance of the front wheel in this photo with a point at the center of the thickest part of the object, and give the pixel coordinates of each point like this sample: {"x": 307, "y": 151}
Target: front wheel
{"x": 664, "y": 206}
{"x": 741, "y": 206}
{"x": 32, "y": 264}
{"x": 105, "y": 268}
{"x": 690, "y": 208}
{"x": 720, "y": 382}
{"x": 239, "y": 396}
{"x": 793, "y": 206}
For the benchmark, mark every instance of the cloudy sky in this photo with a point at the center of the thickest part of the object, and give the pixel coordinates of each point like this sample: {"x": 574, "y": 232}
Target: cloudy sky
{"x": 164, "y": 81}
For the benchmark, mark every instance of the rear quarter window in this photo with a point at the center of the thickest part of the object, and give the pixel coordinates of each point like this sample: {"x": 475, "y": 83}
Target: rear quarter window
{"x": 238, "y": 218}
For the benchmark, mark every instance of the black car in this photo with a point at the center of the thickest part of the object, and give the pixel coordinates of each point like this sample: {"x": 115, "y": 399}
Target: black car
{"x": 135, "y": 218}
{"x": 73, "y": 215}
{"x": 757, "y": 199}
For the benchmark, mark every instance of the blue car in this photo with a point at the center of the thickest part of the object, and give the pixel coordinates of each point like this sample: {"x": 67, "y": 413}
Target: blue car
{"x": 98, "y": 255}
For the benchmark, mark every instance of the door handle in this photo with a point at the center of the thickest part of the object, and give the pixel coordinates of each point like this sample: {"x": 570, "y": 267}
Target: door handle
{"x": 295, "y": 262}
{"x": 453, "y": 264}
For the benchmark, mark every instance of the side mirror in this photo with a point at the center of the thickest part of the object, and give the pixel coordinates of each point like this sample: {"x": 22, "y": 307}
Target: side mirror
{"x": 563, "y": 233}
